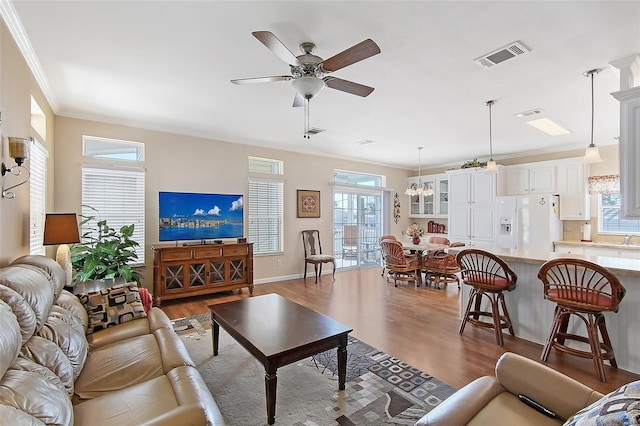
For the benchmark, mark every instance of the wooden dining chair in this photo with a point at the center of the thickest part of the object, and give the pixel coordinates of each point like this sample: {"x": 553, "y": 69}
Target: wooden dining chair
{"x": 381, "y": 239}
{"x": 313, "y": 253}
{"x": 405, "y": 267}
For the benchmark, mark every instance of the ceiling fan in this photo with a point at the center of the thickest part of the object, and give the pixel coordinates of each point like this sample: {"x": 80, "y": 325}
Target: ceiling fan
{"x": 309, "y": 72}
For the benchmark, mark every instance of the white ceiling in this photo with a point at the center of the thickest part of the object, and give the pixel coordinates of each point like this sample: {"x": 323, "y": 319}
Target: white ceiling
{"x": 167, "y": 65}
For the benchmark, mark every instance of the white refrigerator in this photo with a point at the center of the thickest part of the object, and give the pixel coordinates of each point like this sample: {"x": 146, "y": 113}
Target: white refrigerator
{"x": 529, "y": 222}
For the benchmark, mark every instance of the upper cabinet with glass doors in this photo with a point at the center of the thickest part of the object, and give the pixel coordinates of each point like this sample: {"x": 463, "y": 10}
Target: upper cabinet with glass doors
{"x": 434, "y": 205}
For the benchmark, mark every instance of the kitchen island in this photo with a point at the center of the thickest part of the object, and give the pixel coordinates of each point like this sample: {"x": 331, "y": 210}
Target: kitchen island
{"x": 532, "y": 315}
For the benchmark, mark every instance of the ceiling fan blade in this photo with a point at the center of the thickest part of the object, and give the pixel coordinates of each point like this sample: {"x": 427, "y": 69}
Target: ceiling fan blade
{"x": 360, "y": 51}
{"x": 348, "y": 86}
{"x": 262, "y": 79}
{"x": 298, "y": 100}
{"x": 276, "y": 46}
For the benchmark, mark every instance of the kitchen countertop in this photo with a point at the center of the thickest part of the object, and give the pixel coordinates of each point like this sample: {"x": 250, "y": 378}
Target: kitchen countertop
{"x": 617, "y": 265}
{"x": 600, "y": 244}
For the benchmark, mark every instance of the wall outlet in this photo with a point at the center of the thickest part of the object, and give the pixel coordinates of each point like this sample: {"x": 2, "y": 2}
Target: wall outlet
{"x": 279, "y": 262}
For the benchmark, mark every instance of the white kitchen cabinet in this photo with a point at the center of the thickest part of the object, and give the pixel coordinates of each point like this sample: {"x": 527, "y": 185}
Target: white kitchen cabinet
{"x": 629, "y": 97}
{"x": 434, "y": 205}
{"x": 472, "y": 198}
{"x": 524, "y": 180}
{"x": 573, "y": 190}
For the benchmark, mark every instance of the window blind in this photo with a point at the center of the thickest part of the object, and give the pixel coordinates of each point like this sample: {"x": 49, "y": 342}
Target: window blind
{"x": 266, "y": 207}
{"x": 118, "y": 196}
{"x": 37, "y": 196}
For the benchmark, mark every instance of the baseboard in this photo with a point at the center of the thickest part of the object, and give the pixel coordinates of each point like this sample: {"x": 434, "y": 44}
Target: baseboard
{"x": 288, "y": 277}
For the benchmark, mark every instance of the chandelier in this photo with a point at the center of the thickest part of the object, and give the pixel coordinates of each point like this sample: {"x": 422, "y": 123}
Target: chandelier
{"x": 419, "y": 188}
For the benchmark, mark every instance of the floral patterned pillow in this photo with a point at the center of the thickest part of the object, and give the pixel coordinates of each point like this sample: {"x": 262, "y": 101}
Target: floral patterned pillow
{"x": 619, "y": 408}
{"x": 112, "y": 306}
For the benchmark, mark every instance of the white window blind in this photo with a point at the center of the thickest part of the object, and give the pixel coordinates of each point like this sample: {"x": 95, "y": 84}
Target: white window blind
{"x": 266, "y": 217}
{"x": 37, "y": 196}
{"x": 118, "y": 196}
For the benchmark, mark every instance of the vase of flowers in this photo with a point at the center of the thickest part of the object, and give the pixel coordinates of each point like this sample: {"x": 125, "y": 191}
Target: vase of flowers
{"x": 415, "y": 231}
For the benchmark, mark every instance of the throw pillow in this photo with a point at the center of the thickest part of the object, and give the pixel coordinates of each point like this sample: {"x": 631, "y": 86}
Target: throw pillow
{"x": 112, "y": 306}
{"x": 618, "y": 408}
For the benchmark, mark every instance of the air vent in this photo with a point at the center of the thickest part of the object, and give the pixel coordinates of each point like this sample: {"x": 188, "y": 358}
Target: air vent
{"x": 529, "y": 113}
{"x": 313, "y": 131}
{"x": 364, "y": 142}
{"x": 509, "y": 51}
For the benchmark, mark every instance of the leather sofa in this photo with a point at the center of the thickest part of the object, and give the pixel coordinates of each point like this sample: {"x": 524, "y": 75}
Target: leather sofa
{"x": 495, "y": 400}
{"x": 51, "y": 372}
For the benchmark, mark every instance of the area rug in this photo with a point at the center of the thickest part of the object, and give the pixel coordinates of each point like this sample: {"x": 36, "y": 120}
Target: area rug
{"x": 380, "y": 389}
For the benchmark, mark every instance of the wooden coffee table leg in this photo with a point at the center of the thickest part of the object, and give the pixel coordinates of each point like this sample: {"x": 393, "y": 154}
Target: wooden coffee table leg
{"x": 216, "y": 336}
{"x": 270, "y": 382}
{"x": 342, "y": 362}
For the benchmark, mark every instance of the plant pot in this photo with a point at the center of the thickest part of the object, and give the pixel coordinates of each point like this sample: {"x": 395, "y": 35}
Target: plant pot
{"x": 416, "y": 240}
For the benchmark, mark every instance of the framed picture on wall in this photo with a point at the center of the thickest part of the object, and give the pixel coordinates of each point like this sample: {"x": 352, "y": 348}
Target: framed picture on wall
{"x": 308, "y": 203}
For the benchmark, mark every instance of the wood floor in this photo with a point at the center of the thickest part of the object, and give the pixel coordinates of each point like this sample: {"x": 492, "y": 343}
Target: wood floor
{"x": 416, "y": 325}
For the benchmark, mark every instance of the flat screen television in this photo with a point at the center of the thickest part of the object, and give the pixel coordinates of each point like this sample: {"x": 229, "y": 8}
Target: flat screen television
{"x": 196, "y": 216}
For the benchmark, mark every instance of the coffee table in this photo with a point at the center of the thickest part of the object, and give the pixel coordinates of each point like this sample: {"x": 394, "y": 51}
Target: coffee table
{"x": 278, "y": 332}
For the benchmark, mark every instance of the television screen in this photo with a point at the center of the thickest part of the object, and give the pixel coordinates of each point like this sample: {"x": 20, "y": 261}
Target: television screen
{"x": 194, "y": 216}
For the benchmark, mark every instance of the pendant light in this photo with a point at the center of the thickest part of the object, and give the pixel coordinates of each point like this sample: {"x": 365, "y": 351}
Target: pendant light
{"x": 492, "y": 167}
{"x": 592, "y": 155}
{"x": 419, "y": 188}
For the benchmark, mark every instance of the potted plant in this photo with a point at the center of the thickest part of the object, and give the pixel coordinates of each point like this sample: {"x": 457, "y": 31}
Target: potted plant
{"x": 105, "y": 253}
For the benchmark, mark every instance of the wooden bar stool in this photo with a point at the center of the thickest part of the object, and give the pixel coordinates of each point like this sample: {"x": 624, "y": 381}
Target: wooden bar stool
{"x": 489, "y": 276}
{"x": 585, "y": 290}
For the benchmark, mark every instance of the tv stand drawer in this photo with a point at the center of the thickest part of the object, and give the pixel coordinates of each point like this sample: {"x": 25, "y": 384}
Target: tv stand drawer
{"x": 235, "y": 251}
{"x": 206, "y": 252}
{"x": 176, "y": 254}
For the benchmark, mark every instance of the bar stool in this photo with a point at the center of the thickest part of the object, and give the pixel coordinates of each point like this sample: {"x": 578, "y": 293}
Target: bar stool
{"x": 489, "y": 276}
{"x": 585, "y": 290}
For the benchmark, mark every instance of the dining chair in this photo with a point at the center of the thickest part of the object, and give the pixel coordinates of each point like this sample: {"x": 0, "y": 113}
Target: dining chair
{"x": 313, "y": 253}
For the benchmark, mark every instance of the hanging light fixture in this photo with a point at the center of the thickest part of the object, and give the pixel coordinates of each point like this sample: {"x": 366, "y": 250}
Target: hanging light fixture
{"x": 592, "y": 155}
{"x": 492, "y": 167}
{"x": 419, "y": 188}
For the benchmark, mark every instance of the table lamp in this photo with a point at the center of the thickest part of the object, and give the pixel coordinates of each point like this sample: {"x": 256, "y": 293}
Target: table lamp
{"x": 62, "y": 229}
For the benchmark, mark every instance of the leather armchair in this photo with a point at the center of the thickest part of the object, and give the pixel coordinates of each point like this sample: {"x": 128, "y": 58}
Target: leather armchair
{"x": 495, "y": 400}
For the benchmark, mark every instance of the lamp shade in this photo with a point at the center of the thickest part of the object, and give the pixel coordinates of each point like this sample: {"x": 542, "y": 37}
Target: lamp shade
{"x": 61, "y": 228}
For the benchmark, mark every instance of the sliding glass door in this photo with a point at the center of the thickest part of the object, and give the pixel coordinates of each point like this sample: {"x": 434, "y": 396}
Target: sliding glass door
{"x": 357, "y": 227}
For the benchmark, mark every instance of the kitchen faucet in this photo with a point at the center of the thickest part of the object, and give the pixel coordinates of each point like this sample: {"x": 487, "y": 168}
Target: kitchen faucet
{"x": 627, "y": 239}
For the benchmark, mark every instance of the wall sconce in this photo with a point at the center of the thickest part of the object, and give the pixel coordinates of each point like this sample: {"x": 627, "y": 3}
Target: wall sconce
{"x": 62, "y": 229}
{"x": 19, "y": 151}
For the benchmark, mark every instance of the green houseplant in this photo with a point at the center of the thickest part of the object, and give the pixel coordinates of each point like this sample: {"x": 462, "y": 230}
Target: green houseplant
{"x": 105, "y": 252}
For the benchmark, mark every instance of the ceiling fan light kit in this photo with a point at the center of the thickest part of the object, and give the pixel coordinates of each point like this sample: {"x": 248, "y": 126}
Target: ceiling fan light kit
{"x": 492, "y": 167}
{"x": 308, "y": 71}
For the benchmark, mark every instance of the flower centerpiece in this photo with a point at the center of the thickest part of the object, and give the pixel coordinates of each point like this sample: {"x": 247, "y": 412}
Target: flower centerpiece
{"x": 415, "y": 231}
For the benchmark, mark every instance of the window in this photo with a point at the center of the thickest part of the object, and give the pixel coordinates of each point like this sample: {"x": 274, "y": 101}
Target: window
{"x": 38, "y": 197}
{"x": 93, "y": 146}
{"x": 609, "y": 217}
{"x": 117, "y": 193}
{"x": 265, "y": 165}
{"x": 355, "y": 178}
{"x": 38, "y": 119}
{"x": 266, "y": 206}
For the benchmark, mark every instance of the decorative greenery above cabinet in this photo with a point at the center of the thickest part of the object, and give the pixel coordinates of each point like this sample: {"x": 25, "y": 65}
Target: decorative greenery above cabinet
{"x": 435, "y": 205}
